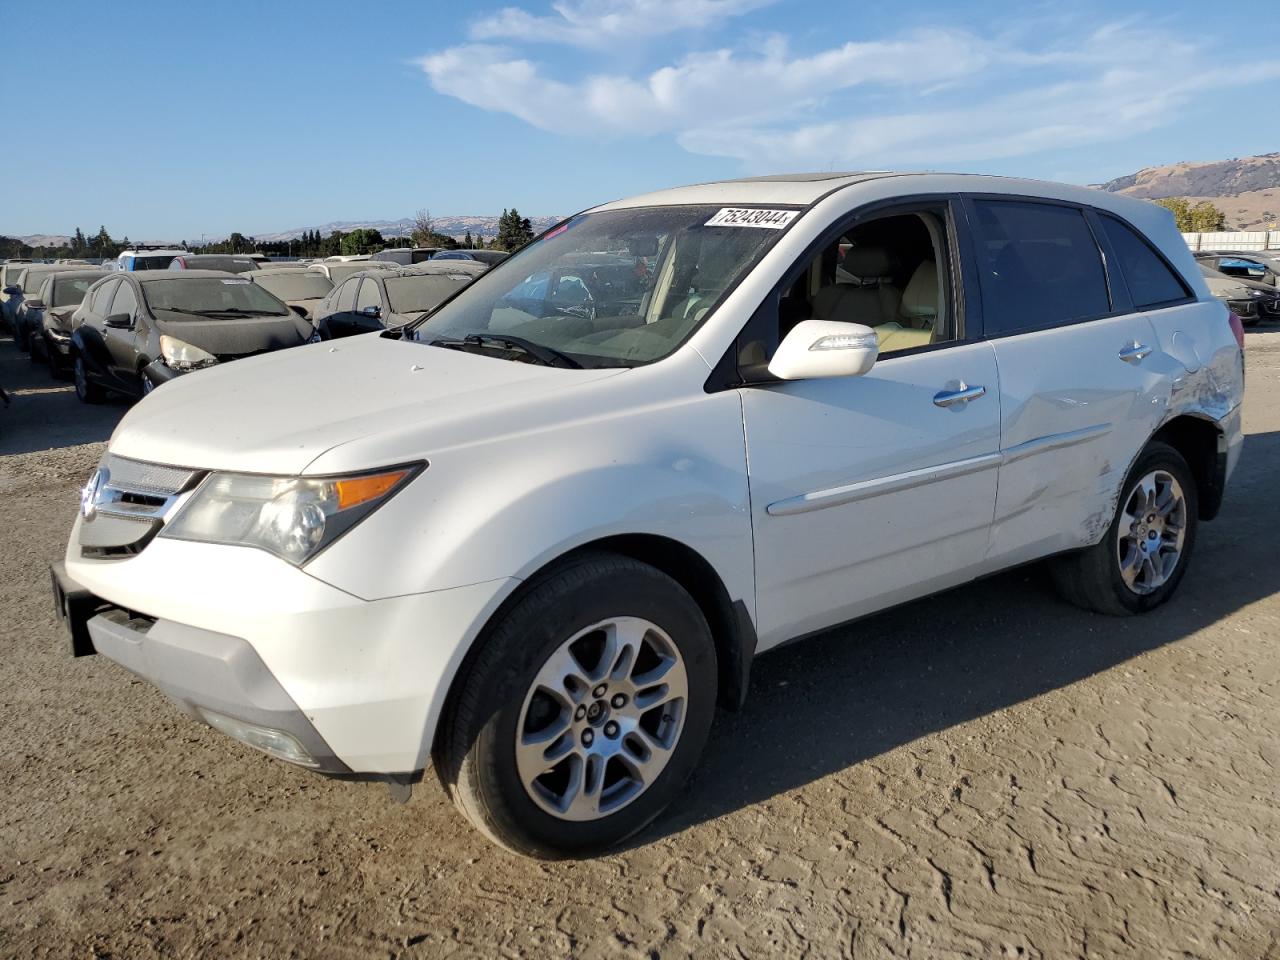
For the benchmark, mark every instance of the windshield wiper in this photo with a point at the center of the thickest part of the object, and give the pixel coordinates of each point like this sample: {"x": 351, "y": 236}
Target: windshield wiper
{"x": 547, "y": 356}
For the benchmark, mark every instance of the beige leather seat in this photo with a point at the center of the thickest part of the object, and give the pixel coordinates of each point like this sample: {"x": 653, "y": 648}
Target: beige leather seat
{"x": 873, "y": 300}
{"x": 917, "y": 312}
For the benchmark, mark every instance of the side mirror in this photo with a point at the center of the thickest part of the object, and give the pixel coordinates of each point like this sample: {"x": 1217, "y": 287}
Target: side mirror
{"x": 815, "y": 349}
{"x": 119, "y": 321}
{"x": 372, "y": 313}
{"x": 299, "y": 310}
{"x": 36, "y": 304}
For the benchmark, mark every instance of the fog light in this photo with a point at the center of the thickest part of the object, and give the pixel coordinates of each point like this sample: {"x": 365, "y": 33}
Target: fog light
{"x": 276, "y": 743}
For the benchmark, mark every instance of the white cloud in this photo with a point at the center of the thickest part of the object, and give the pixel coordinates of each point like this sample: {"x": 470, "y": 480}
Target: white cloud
{"x": 598, "y": 23}
{"x": 926, "y": 98}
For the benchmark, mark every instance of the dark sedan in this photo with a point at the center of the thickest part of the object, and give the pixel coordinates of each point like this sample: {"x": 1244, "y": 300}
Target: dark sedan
{"x": 45, "y": 317}
{"x": 385, "y": 299}
{"x": 134, "y": 331}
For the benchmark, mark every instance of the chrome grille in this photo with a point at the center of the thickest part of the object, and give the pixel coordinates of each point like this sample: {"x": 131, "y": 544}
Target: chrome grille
{"x": 125, "y": 504}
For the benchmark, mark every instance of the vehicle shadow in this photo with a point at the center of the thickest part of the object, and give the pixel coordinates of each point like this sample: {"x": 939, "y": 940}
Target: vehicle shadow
{"x": 43, "y": 413}
{"x": 834, "y": 701}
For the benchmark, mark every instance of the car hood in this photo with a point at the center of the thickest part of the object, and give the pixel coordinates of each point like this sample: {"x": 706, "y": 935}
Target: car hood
{"x": 278, "y": 412}
{"x": 236, "y": 337}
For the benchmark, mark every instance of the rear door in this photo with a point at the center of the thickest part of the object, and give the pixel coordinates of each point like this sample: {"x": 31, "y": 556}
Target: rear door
{"x": 1079, "y": 390}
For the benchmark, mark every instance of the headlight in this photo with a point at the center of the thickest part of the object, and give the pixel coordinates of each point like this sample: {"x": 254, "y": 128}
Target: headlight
{"x": 183, "y": 356}
{"x": 292, "y": 517}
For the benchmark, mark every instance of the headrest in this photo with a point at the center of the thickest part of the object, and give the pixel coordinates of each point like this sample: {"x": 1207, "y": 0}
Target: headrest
{"x": 866, "y": 262}
{"x": 920, "y": 298}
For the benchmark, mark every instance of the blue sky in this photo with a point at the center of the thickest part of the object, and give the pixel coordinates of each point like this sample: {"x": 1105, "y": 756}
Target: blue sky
{"x": 168, "y": 120}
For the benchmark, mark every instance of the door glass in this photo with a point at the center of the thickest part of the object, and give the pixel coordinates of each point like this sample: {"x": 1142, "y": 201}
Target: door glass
{"x": 1149, "y": 278}
{"x": 125, "y": 301}
{"x": 102, "y": 297}
{"x": 882, "y": 273}
{"x": 368, "y": 296}
{"x": 1039, "y": 266}
{"x": 346, "y": 296}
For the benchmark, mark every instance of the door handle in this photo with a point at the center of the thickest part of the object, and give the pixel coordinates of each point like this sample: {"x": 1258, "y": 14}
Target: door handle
{"x": 966, "y": 393}
{"x": 1135, "y": 353}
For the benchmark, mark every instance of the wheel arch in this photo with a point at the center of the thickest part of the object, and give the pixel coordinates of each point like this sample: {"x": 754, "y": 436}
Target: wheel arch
{"x": 1203, "y": 444}
{"x": 732, "y": 629}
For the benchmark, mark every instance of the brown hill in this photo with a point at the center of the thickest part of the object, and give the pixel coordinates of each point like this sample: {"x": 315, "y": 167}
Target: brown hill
{"x": 1246, "y": 189}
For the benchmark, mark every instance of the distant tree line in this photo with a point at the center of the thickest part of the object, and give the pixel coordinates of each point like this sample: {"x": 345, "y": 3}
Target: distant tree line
{"x": 514, "y": 231}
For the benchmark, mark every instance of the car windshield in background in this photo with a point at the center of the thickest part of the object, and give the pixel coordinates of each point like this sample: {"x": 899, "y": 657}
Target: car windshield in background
{"x": 67, "y": 293}
{"x": 229, "y": 264}
{"x": 152, "y": 263}
{"x": 340, "y": 271}
{"x": 212, "y": 296}
{"x": 416, "y": 294}
{"x": 296, "y": 285}
{"x": 615, "y": 288}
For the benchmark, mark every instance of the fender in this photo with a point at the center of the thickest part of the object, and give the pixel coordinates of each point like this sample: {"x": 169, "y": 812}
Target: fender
{"x": 88, "y": 342}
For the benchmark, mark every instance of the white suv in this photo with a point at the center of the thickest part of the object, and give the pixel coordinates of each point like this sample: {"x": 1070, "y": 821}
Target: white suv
{"x": 535, "y": 538}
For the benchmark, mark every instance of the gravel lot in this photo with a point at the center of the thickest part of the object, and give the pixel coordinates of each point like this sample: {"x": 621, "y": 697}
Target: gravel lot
{"x": 987, "y": 773}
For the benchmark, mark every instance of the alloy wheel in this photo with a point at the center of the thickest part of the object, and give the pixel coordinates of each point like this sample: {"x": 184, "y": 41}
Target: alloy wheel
{"x": 601, "y": 719}
{"x": 1152, "y": 532}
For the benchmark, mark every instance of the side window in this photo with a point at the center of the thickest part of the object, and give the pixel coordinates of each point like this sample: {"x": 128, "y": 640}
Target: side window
{"x": 890, "y": 273}
{"x": 125, "y": 301}
{"x": 1039, "y": 266}
{"x": 1151, "y": 281}
{"x": 102, "y": 297}
{"x": 369, "y": 296}
{"x": 346, "y": 296}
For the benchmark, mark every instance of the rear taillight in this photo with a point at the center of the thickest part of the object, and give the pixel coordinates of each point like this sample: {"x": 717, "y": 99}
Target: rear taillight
{"x": 1237, "y": 328}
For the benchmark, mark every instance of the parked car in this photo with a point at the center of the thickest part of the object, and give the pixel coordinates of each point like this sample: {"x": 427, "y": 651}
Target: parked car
{"x": 27, "y": 279}
{"x": 9, "y": 271}
{"x": 303, "y": 289}
{"x": 406, "y": 256}
{"x": 1239, "y": 298}
{"x": 136, "y": 331}
{"x": 537, "y": 548}
{"x": 1261, "y": 284}
{"x": 386, "y": 299}
{"x": 145, "y": 259}
{"x": 227, "y": 262}
{"x": 44, "y": 321}
{"x": 337, "y": 271}
{"x": 489, "y": 257}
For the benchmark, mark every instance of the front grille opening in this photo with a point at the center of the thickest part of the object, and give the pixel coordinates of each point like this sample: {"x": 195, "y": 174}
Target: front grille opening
{"x": 142, "y": 499}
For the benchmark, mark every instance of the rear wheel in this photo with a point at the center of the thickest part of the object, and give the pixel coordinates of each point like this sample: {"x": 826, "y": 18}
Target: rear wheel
{"x": 1140, "y": 562}
{"x": 583, "y": 712}
{"x": 86, "y": 390}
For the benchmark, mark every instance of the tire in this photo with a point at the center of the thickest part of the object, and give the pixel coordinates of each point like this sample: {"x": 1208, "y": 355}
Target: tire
{"x": 1095, "y": 578}
{"x": 495, "y": 702}
{"x": 86, "y": 390}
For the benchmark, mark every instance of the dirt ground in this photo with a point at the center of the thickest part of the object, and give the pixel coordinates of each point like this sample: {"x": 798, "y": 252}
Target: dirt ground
{"x": 989, "y": 773}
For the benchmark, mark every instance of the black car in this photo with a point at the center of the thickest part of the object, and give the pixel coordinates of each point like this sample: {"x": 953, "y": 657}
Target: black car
{"x": 45, "y": 317}
{"x": 134, "y": 331}
{"x": 1262, "y": 282}
{"x": 385, "y": 299}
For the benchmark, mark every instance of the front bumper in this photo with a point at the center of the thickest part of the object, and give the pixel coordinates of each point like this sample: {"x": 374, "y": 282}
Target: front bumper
{"x": 359, "y": 684}
{"x": 160, "y": 372}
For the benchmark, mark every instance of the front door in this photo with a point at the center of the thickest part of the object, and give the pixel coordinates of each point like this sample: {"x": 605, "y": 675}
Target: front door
{"x": 868, "y": 491}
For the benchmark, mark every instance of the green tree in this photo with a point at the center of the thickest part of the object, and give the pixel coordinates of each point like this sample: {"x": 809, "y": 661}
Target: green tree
{"x": 361, "y": 240}
{"x": 79, "y": 246}
{"x": 514, "y": 231}
{"x": 1203, "y": 217}
{"x": 468, "y": 242}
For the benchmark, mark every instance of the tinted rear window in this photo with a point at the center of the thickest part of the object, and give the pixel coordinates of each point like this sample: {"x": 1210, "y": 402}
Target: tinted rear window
{"x": 1039, "y": 266}
{"x": 1150, "y": 280}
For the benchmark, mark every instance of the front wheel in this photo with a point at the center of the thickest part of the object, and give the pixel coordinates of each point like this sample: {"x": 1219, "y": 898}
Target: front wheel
{"x": 584, "y": 710}
{"x": 86, "y": 390}
{"x": 1140, "y": 562}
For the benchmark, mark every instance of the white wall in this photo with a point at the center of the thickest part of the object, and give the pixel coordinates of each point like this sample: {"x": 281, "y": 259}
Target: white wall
{"x": 1253, "y": 240}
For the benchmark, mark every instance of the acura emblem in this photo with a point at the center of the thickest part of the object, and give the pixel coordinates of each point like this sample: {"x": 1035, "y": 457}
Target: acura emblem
{"x": 91, "y": 493}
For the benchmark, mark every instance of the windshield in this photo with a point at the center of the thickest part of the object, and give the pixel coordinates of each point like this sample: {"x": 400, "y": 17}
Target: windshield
{"x": 69, "y": 291}
{"x": 615, "y": 288}
{"x": 416, "y": 294}
{"x": 295, "y": 285}
{"x": 211, "y": 295}
{"x": 153, "y": 263}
